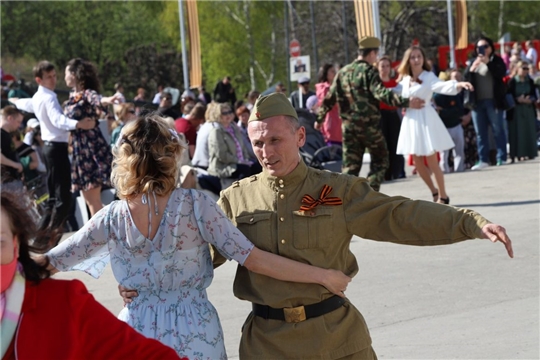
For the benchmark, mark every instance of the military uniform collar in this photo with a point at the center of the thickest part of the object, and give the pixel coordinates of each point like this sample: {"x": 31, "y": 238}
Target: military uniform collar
{"x": 294, "y": 178}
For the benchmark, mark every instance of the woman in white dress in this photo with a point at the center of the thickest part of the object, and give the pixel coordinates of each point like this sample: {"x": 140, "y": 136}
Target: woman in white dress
{"x": 422, "y": 132}
{"x": 156, "y": 239}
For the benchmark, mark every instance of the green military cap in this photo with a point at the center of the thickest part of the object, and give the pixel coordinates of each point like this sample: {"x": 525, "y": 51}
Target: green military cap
{"x": 369, "y": 42}
{"x": 274, "y": 104}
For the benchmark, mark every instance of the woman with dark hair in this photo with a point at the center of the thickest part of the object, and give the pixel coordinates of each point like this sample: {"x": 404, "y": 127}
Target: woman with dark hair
{"x": 522, "y": 118}
{"x": 156, "y": 239}
{"x": 486, "y": 74}
{"x": 422, "y": 132}
{"x": 390, "y": 123}
{"x": 91, "y": 157}
{"x": 331, "y": 127}
{"x": 77, "y": 326}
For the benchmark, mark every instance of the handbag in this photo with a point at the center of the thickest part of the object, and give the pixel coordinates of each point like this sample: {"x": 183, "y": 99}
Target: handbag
{"x": 469, "y": 100}
{"x": 509, "y": 102}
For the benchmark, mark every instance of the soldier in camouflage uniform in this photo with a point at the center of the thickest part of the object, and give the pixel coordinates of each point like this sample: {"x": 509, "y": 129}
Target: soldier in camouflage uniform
{"x": 358, "y": 89}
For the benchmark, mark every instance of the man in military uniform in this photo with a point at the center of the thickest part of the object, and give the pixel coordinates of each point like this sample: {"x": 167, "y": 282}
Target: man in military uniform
{"x": 311, "y": 215}
{"x": 358, "y": 89}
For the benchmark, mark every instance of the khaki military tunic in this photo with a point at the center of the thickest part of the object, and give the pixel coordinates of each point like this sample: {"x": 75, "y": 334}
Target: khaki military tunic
{"x": 267, "y": 210}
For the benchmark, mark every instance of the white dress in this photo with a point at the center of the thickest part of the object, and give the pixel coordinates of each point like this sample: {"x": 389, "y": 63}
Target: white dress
{"x": 170, "y": 272}
{"x": 422, "y": 131}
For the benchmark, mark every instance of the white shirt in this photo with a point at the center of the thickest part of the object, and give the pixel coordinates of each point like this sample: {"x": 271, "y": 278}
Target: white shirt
{"x": 532, "y": 55}
{"x": 201, "y": 157}
{"x": 55, "y": 126}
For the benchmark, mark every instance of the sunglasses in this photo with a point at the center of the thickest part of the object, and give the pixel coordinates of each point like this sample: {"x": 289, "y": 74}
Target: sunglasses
{"x": 131, "y": 111}
{"x": 525, "y": 68}
{"x": 167, "y": 98}
{"x": 227, "y": 112}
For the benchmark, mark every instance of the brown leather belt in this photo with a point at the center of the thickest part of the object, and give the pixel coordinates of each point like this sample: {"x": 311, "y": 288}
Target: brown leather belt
{"x": 299, "y": 313}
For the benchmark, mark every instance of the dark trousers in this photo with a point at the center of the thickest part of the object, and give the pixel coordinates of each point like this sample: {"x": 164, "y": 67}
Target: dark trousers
{"x": 59, "y": 185}
{"x": 390, "y": 127}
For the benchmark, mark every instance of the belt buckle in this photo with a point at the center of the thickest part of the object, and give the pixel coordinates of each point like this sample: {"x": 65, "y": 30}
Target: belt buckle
{"x": 295, "y": 314}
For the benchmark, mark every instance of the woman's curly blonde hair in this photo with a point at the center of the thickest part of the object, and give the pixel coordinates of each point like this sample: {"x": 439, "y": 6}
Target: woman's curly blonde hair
{"x": 146, "y": 158}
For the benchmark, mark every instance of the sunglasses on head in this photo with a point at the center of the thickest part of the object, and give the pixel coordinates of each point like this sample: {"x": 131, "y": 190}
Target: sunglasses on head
{"x": 227, "y": 112}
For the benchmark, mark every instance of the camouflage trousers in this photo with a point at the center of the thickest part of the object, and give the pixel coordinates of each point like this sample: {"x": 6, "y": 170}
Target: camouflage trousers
{"x": 357, "y": 136}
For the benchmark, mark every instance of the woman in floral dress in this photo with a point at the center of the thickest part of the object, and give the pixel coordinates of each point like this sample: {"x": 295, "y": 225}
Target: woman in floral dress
{"x": 91, "y": 157}
{"x": 156, "y": 239}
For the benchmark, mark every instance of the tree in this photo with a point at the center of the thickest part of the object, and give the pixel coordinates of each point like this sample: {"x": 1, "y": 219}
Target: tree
{"x": 238, "y": 38}
{"x": 94, "y": 30}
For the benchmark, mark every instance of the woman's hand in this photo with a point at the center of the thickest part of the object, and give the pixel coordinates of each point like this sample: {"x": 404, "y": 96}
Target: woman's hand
{"x": 477, "y": 62}
{"x": 416, "y": 103}
{"x": 41, "y": 259}
{"x": 336, "y": 282}
{"x": 465, "y": 85}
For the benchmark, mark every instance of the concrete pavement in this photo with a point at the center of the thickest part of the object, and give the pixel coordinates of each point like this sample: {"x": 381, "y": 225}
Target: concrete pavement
{"x": 462, "y": 301}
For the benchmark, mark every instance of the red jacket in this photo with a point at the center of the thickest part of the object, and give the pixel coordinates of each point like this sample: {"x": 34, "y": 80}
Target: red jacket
{"x": 331, "y": 128}
{"x": 61, "y": 320}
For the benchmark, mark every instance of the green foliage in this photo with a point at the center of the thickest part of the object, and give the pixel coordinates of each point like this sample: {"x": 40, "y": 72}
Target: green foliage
{"x": 520, "y": 19}
{"x": 224, "y": 41}
{"x": 99, "y": 31}
{"x": 235, "y": 35}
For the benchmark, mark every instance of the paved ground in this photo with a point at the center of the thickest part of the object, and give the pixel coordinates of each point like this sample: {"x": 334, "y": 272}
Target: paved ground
{"x": 463, "y": 301}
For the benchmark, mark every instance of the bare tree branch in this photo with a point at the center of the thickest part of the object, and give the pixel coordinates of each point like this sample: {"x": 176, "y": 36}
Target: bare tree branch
{"x": 523, "y": 26}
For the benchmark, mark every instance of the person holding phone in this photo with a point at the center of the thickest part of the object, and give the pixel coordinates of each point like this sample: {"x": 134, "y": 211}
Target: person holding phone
{"x": 486, "y": 74}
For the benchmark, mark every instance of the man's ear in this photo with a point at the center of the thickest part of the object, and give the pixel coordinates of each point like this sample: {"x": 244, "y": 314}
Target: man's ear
{"x": 38, "y": 80}
{"x": 301, "y": 136}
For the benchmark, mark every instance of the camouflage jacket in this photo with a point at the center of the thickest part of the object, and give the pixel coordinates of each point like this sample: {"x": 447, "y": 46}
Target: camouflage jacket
{"x": 358, "y": 89}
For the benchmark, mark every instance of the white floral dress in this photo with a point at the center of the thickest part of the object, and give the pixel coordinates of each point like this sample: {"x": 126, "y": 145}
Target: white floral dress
{"x": 422, "y": 131}
{"x": 170, "y": 272}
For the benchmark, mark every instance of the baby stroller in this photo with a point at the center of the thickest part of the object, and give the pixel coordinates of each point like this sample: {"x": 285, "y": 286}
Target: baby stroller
{"x": 315, "y": 152}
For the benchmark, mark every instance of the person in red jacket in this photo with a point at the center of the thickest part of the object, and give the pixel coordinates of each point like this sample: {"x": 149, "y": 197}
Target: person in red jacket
{"x": 42, "y": 318}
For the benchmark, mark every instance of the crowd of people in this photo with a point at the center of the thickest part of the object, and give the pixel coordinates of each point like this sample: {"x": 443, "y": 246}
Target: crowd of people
{"x": 169, "y": 160}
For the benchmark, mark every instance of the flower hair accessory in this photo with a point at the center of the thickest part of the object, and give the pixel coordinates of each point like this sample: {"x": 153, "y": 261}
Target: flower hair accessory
{"x": 174, "y": 135}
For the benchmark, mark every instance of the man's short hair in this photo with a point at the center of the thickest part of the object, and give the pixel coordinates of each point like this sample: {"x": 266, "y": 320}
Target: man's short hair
{"x": 295, "y": 123}
{"x": 10, "y": 110}
{"x": 366, "y": 52}
{"x": 117, "y": 86}
{"x": 41, "y": 68}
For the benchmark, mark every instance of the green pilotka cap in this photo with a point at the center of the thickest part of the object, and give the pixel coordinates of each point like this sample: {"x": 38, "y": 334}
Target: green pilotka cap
{"x": 275, "y": 104}
{"x": 369, "y": 42}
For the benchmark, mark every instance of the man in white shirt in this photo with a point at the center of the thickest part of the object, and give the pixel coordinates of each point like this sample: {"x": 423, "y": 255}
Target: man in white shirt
{"x": 532, "y": 55}
{"x": 55, "y": 128}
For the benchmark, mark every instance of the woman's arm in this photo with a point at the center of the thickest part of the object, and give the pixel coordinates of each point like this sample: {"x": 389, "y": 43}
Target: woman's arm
{"x": 234, "y": 245}
{"x": 34, "y": 162}
{"x": 281, "y": 268}
{"x": 87, "y": 249}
